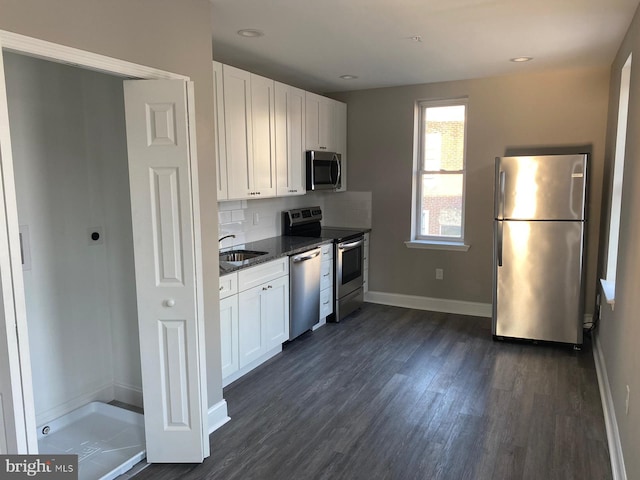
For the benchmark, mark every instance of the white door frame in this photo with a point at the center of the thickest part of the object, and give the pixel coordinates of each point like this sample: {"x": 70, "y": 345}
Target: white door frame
{"x": 12, "y": 303}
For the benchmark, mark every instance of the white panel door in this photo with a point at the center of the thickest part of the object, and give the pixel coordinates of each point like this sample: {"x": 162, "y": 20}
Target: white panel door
{"x": 219, "y": 132}
{"x": 165, "y": 249}
{"x": 250, "y": 335}
{"x": 275, "y": 310}
{"x": 290, "y": 140}
{"x": 263, "y": 168}
{"x": 17, "y": 413}
{"x": 238, "y": 133}
{"x": 229, "y": 335}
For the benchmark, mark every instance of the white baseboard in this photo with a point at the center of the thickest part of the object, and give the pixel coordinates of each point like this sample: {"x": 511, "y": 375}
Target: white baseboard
{"x": 100, "y": 394}
{"x": 427, "y": 303}
{"x": 250, "y": 366}
{"x": 218, "y": 415}
{"x": 613, "y": 435}
{"x": 128, "y": 394}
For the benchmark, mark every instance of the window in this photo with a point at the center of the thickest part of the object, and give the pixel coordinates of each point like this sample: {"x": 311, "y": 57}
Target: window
{"x": 616, "y": 187}
{"x": 440, "y": 172}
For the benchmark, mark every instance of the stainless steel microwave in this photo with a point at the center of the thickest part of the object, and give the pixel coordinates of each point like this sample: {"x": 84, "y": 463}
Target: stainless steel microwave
{"x": 324, "y": 170}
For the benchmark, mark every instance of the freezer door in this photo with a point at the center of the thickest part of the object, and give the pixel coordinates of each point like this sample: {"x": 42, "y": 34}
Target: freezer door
{"x": 550, "y": 187}
{"x": 538, "y": 283}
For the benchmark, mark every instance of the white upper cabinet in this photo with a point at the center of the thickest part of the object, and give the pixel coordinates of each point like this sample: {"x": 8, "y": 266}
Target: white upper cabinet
{"x": 340, "y": 132}
{"x": 263, "y": 170}
{"x": 238, "y": 132}
{"x": 250, "y": 134}
{"x": 262, "y": 131}
{"x": 290, "y": 140}
{"x": 219, "y": 132}
{"x": 320, "y": 128}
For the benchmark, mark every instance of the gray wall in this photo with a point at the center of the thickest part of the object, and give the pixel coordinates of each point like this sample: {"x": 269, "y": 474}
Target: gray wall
{"x": 165, "y": 34}
{"x": 619, "y": 329}
{"x": 562, "y": 108}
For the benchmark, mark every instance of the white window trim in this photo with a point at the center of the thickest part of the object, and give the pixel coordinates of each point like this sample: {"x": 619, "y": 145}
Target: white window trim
{"x": 429, "y": 241}
{"x": 608, "y": 284}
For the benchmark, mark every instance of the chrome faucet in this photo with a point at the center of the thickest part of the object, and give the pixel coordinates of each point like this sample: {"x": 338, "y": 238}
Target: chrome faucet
{"x": 226, "y": 236}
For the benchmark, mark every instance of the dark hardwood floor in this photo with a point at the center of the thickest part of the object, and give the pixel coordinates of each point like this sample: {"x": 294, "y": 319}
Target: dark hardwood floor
{"x": 392, "y": 393}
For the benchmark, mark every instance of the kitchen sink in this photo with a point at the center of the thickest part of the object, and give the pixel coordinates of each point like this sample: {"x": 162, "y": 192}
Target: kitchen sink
{"x": 240, "y": 255}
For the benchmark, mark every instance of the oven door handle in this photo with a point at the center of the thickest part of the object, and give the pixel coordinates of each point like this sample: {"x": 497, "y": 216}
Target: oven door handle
{"x": 345, "y": 246}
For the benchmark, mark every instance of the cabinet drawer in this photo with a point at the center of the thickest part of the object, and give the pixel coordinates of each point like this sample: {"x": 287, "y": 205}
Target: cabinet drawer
{"x": 228, "y": 285}
{"x": 326, "y": 306}
{"x": 254, "y": 276}
{"x": 326, "y": 274}
{"x": 327, "y": 251}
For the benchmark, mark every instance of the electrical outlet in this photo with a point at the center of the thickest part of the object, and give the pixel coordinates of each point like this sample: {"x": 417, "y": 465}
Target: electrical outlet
{"x": 439, "y": 274}
{"x": 626, "y": 403}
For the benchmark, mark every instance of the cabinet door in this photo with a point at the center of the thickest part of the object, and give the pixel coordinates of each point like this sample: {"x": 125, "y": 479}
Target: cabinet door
{"x": 340, "y": 136}
{"x": 326, "y": 306}
{"x": 229, "y": 335}
{"x": 238, "y": 132}
{"x": 319, "y": 122}
{"x": 275, "y": 309}
{"x": 250, "y": 334}
{"x": 218, "y": 132}
{"x": 290, "y": 112}
{"x": 262, "y": 171}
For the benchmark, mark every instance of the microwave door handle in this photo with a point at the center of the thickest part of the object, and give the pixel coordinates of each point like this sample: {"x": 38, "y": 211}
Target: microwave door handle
{"x": 335, "y": 159}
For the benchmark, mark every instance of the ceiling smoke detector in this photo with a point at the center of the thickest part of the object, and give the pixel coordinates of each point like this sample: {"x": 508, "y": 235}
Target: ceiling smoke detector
{"x": 250, "y": 33}
{"x": 416, "y": 38}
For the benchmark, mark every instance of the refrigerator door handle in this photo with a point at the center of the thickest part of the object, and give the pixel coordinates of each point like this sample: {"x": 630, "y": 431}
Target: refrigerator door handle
{"x": 499, "y": 240}
{"x": 503, "y": 178}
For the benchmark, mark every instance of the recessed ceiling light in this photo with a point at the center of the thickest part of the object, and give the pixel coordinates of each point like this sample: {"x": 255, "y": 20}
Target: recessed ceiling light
{"x": 348, "y": 77}
{"x": 521, "y": 59}
{"x": 250, "y": 33}
{"x": 416, "y": 38}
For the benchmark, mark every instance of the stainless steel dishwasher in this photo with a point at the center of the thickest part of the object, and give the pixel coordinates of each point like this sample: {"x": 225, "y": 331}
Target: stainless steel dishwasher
{"x": 304, "y": 291}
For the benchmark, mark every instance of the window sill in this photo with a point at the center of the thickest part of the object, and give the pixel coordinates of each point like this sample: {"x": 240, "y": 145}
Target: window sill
{"x": 609, "y": 291}
{"x": 431, "y": 245}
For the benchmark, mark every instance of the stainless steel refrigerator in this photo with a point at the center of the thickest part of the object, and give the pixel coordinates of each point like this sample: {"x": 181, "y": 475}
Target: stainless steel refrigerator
{"x": 539, "y": 245}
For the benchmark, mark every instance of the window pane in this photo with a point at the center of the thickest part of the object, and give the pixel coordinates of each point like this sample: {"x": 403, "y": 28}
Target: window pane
{"x": 441, "y": 205}
{"x": 443, "y": 147}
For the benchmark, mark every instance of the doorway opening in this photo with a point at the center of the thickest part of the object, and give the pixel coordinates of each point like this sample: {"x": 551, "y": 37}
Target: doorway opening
{"x": 78, "y": 174}
{"x": 72, "y": 186}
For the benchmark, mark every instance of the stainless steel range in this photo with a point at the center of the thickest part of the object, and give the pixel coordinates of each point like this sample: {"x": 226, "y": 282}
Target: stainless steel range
{"x": 348, "y": 255}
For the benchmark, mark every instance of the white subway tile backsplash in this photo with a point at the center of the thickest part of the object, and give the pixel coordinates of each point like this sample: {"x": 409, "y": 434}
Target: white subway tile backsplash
{"x": 346, "y": 209}
{"x": 224, "y": 217}
{"x": 237, "y": 216}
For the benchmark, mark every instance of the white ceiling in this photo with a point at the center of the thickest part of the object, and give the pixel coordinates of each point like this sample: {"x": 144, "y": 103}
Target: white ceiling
{"x": 310, "y": 43}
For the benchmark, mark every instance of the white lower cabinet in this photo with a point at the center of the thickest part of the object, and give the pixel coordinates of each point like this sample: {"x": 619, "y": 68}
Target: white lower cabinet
{"x": 229, "y": 335}
{"x": 326, "y": 284}
{"x": 254, "y": 316}
{"x": 263, "y": 318}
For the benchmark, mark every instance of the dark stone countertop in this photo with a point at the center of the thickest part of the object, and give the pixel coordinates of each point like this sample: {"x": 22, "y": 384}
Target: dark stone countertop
{"x": 276, "y": 247}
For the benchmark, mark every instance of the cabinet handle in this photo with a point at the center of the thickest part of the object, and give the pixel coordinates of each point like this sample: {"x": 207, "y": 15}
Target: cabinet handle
{"x": 221, "y": 288}
{"x": 326, "y": 303}
{"x": 326, "y": 275}
{"x": 169, "y": 303}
